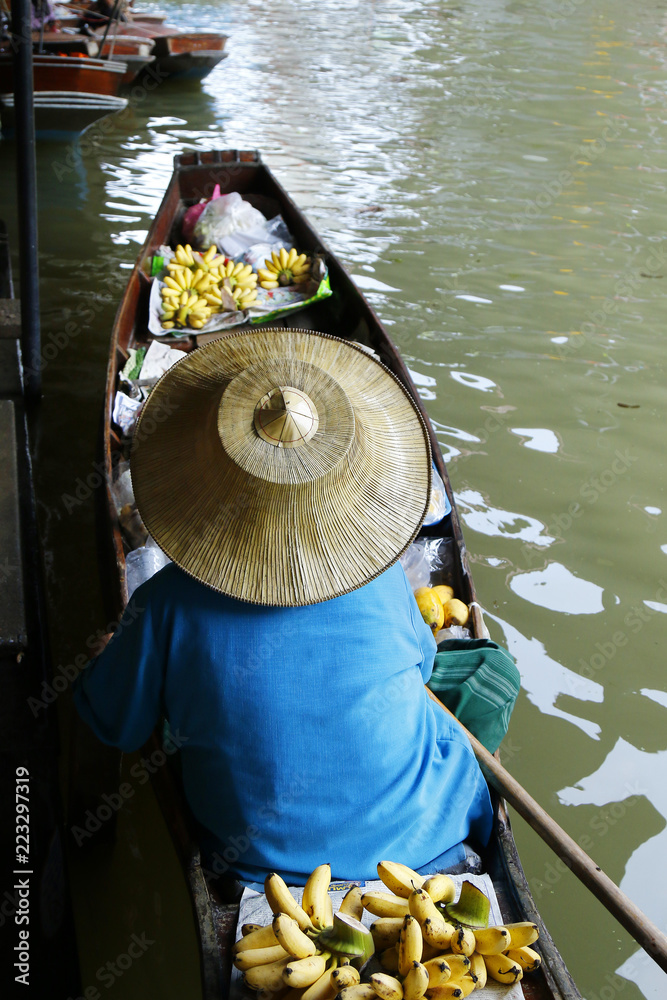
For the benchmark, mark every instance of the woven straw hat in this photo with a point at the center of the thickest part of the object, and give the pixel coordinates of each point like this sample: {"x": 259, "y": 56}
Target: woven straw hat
{"x": 281, "y": 467}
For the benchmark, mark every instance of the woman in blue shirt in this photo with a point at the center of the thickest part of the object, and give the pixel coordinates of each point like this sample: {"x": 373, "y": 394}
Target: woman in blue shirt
{"x": 284, "y": 472}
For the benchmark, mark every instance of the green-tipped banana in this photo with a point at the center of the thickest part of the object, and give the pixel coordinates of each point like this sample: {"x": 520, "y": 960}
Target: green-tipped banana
{"x": 398, "y": 878}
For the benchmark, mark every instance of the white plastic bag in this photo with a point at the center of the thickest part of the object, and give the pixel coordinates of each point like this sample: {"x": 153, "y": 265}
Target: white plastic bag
{"x": 141, "y": 564}
{"x": 225, "y": 215}
{"x": 428, "y": 561}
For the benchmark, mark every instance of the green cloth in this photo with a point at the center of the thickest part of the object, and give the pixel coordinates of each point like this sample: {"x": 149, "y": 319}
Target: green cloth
{"x": 478, "y": 681}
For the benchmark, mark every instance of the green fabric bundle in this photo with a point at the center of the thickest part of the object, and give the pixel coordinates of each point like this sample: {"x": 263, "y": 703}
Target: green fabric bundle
{"x": 478, "y": 681}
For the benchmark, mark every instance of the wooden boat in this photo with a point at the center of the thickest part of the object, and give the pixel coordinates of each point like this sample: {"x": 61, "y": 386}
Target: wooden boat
{"x": 59, "y": 114}
{"x": 73, "y": 74}
{"x": 346, "y": 313}
{"x": 191, "y": 54}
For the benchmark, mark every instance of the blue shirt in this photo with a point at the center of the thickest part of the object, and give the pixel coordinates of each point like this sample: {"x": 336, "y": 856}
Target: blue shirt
{"x": 306, "y": 733}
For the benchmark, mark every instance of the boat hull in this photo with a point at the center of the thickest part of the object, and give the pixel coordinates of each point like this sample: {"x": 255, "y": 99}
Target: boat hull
{"x": 345, "y": 313}
{"x": 73, "y": 74}
{"x": 61, "y": 114}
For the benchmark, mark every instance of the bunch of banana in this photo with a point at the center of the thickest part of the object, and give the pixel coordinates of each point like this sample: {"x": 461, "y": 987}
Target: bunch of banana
{"x": 284, "y": 269}
{"x": 186, "y": 257}
{"x": 186, "y": 310}
{"x": 305, "y": 949}
{"x": 240, "y": 280}
{"x": 433, "y": 947}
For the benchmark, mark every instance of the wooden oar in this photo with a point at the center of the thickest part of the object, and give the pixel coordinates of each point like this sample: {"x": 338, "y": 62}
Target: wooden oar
{"x": 643, "y": 930}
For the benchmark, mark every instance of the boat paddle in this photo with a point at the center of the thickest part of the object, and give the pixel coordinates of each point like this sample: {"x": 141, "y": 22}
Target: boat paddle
{"x": 643, "y": 930}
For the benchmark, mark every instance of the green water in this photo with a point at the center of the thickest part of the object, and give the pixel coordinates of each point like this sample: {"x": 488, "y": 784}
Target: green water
{"x": 493, "y": 175}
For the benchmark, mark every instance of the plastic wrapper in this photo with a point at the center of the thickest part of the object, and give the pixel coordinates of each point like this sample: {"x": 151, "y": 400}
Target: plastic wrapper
{"x": 228, "y": 214}
{"x": 141, "y": 564}
{"x": 439, "y": 506}
{"x": 126, "y": 412}
{"x": 429, "y": 561}
{"x": 254, "y": 245}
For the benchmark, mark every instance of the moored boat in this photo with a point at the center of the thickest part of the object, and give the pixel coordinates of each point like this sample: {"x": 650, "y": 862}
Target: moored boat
{"x": 68, "y": 73}
{"x": 61, "y": 114}
{"x": 345, "y": 314}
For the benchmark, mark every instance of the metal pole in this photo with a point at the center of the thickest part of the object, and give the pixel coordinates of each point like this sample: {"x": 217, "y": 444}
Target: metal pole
{"x": 27, "y": 195}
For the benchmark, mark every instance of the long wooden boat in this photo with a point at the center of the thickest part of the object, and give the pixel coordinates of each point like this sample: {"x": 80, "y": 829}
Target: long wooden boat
{"x": 345, "y": 313}
{"x": 76, "y": 74}
{"x": 191, "y": 54}
{"x": 61, "y": 114}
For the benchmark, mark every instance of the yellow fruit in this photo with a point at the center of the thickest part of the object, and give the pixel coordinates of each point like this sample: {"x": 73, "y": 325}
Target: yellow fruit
{"x": 444, "y": 593}
{"x": 455, "y": 612}
{"x": 431, "y": 607}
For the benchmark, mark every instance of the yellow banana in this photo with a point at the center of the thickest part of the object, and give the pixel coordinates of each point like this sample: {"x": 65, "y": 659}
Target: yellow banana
{"x": 438, "y": 932}
{"x": 352, "y": 904}
{"x": 522, "y": 933}
{"x": 416, "y": 982}
{"x": 448, "y": 991}
{"x": 300, "y": 972}
{"x": 256, "y": 937}
{"x": 291, "y": 257}
{"x": 478, "y": 970}
{"x": 266, "y": 977}
{"x": 362, "y": 991}
{"x": 291, "y": 937}
{"x": 281, "y": 900}
{"x": 439, "y": 972}
{"x": 384, "y": 904}
{"x": 389, "y": 959}
{"x": 283, "y": 257}
{"x": 344, "y": 975}
{"x": 251, "y": 957}
{"x": 441, "y": 888}
{"x": 249, "y": 928}
{"x": 410, "y": 944}
{"x": 269, "y": 284}
{"x": 315, "y": 900}
{"x": 422, "y": 906}
{"x": 386, "y": 932}
{"x": 321, "y": 989}
{"x": 503, "y": 969}
{"x": 459, "y": 966}
{"x": 387, "y": 987}
{"x": 466, "y": 985}
{"x": 526, "y": 957}
{"x": 398, "y": 878}
{"x": 492, "y": 940}
{"x": 463, "y": 941}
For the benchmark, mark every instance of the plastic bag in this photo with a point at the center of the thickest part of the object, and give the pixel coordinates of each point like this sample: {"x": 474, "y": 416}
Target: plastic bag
{"x": 439, "y": 506}
{"x": 254, "y": 245}
{"x": 428, "y": 561}
{"x": 225, "y": 215}
{"x": 141, "y": 564}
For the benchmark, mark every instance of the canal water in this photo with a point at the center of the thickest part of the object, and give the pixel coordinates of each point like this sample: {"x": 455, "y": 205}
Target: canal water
{"x": 492, "y": 173}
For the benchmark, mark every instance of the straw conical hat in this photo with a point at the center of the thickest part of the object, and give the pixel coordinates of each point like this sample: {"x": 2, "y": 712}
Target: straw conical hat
{"x": 281, "y": 467}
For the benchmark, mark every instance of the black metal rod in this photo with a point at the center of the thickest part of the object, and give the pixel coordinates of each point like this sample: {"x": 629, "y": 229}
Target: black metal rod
{"x": 26, "y": 171}
{"x": 114, "y": 14}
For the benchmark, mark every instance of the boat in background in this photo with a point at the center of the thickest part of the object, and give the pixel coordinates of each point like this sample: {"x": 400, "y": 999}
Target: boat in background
{"x": 347, "y": 314}
{"x": 70, "y": 92}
